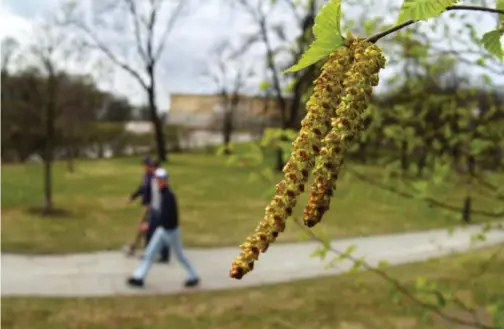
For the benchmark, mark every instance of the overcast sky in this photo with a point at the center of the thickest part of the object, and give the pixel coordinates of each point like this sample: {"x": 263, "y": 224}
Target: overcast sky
{"x": 187, "y": 52}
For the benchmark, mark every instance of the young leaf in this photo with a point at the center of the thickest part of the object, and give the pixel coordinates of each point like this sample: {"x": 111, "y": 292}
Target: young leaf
{"x": 420, "y": 283}
{"x": 264, "y": 85}
{"x": 500, "y": 5}
{"x": 335, "y": 261}
{"x": 327, "y": 36}
{"x": 383, "y": 264}
{"x": 327, "y": 22}
{"x": 492, "y": 43}
{"x": 320, "y": 252}
{"x": 357, "y": 265}
{"x": 423, "y": 9}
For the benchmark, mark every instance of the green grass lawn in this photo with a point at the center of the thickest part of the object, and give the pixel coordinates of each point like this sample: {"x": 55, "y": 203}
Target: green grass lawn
{"x": 219, "y": 205}
{"x": 350, "y": 301}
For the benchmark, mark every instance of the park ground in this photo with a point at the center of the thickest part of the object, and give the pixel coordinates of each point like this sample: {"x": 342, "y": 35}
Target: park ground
{"x": 219, "y": 205}
{"x": 348, "y": 301}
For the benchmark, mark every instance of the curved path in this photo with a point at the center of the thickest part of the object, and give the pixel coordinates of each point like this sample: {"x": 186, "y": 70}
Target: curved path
{"x": 104, "y": 273}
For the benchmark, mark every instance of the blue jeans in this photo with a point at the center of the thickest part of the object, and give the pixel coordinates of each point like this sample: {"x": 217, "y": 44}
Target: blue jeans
{"x": 153, "y": 220}
{"x": 163, "y": 237}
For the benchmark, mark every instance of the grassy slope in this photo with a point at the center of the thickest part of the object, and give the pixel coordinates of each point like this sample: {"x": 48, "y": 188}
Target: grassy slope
{"x": 219, "y": 205}
{"x": 350, "y": 301}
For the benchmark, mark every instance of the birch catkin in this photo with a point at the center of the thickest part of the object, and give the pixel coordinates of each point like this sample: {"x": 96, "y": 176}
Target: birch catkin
{"x": 340, "y": 95}
{"x": 346, "y": 126}
{"x": 315, "y": 125}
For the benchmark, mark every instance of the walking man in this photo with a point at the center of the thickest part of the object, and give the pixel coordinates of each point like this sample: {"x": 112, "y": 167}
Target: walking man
{"x": 149, "y": 192}
{"x": 167, "y": 234}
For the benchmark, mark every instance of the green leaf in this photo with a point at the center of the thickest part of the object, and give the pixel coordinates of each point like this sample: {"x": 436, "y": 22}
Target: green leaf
{"x": 420, "y": 283}
{"x": 268, "y": 174}
{"x": 383, "y": 264}
{"x": 232, "y": 160}
{"x": 492, "y": 43}
{"x": 253, "y": 177}
{"x": 357, "y": 265}
{"x": 347, "y": 253}
{"x": 421, "y": 187}
{"x": 220, "y": 150}
{"x": 440, "y": 299}
{"x": 264, "y": 85}
{"x": 320, "y": 252}
{"x": 328, "y": 21}
{"x": 500, "y": 5}
{"x": 328, "y": 36}
{"x": 478, "y": 237}
{"x": 497, "y": 312}
{"x": 317, "y": 51}
{"x": 335, "y": 261}
{"x": 423, "y": 9}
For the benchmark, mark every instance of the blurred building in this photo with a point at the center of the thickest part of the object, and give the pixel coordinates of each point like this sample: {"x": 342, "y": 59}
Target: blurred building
{"x": 205, "y": 112}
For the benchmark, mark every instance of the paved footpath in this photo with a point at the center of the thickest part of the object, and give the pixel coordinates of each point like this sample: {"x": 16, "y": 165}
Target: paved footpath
{"x": 104, "y": 273}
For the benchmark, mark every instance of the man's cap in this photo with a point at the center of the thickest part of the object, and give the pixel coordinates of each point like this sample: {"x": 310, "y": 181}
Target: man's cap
{"x": 148, "y": 161}
{"x": 161, "y": 173}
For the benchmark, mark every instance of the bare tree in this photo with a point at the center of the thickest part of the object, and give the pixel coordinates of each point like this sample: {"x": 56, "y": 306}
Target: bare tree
{"x": 114, "y": 21}
{"x": 258, "y": 11}
{"x": 304, "y": 16}
{"x": 275, "y": 38}
{"x": 9, "y": 47}
{"x": 229, "y": 73}
{"x": 47, "y": 49}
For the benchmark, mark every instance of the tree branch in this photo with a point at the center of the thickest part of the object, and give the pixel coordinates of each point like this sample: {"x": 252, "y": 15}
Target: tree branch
{"x": 374, "y": 38}
{"x": 429, "y": 201}
{"x": 101, "y": 46}
{"x": 397, "y": 285}
{"x": 136, "y": 26}
{"x": 169, "y": 27}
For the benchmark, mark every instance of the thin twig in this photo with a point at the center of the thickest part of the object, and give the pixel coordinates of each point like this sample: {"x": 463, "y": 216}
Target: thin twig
{"x": 430, "y": 201}
{"x": 374, "y": 38}
{"x": 397, "y": 285}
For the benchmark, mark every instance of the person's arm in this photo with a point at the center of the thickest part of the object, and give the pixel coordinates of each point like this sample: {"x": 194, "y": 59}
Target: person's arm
{"x": 140, "y": 190}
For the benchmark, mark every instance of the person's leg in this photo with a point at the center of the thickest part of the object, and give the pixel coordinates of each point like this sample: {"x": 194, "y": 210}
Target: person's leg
{"x": 157, "y": 240}
{"x": 153, "y": 225}
{"x": 165, "y": 254}
{"x": 175, "y": 242}
{"x": 151, "y": 228}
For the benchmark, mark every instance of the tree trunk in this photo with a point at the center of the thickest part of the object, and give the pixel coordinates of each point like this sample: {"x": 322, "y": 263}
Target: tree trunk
{"x": 227, "y": 130}
{"x": 156, "y": 121}
{"x": 294, "y": 107}
{"x": 302, "y": 84}
{"x": 422, "y": 162}
{"x": 404, "y": 156}
{"x": 101, "y": 150}
{"x": 70, "y": 159}
{"x": 466, "y": 210}
{"x": 48, "y": 204}
{"x": 48, "y": 149}
{"x": 363, "y": 154}
{"x": 471, "y": 172}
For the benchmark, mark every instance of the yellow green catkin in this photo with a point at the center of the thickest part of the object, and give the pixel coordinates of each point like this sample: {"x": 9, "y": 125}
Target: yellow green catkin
{"x": 316, "y": 124}
{"x": 346, "y": 125}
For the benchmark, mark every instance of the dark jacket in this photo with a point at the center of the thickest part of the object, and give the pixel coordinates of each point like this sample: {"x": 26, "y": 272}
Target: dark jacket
{"x": 144, "y": 190}
{"x": 168, "y": 217}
